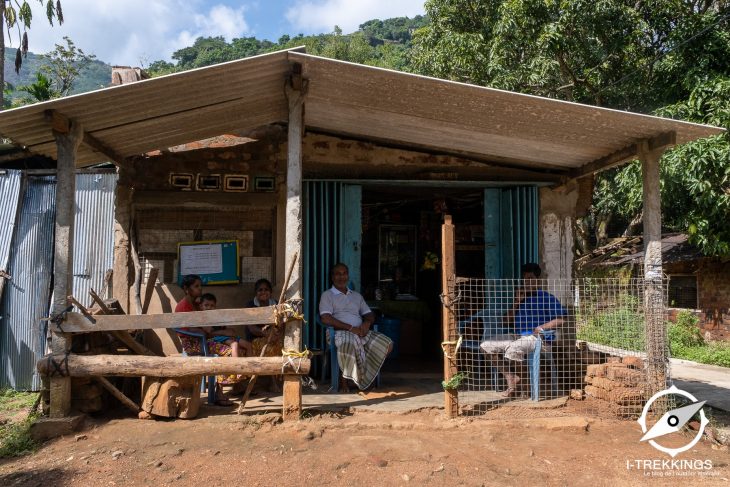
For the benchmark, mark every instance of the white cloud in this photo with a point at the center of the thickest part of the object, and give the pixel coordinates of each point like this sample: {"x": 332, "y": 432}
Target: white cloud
{"x": 323, "y": 15}
{"x": 131, "y": 31}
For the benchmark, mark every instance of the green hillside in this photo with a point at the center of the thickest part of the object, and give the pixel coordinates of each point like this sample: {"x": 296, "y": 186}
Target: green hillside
{"x": 94, "y": 76}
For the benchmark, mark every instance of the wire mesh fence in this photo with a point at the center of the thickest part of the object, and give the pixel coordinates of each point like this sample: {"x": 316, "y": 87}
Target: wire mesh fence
{"x": 597, "y": 346}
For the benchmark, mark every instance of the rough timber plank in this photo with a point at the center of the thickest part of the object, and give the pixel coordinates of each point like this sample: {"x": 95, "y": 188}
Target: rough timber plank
{"x": 77, "y": 323}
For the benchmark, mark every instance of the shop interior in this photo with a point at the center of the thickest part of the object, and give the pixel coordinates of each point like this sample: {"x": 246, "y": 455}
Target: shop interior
{"x": 401, "y": 272}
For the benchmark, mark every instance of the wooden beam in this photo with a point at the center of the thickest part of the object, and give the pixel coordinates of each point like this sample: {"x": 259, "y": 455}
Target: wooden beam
{"x": 149, "y": 289}
{"x": 77, "y": 323}
{"x": 626, "y": 154}
{"x": 448, "y": 270}
{"x": 67, "y": 144}
{"x": 296, "y": 90}
{"x": 98, "y": 146}
{"x": 61, "y": 124}
{"x": 138, "y": 365}
{"x": 132, "y": 344}
{"x": 118, "y": 394}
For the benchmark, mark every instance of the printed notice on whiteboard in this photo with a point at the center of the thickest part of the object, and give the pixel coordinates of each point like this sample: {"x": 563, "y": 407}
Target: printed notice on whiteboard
{"x": 201, "y": 259}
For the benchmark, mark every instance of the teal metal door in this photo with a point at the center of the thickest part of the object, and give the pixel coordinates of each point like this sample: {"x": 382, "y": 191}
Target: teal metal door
{"x": 332, "y": 233}
{"x": 510, "y": 230}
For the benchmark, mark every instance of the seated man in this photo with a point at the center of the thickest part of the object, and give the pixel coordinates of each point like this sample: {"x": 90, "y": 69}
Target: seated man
{"x": 360, "y": 351}
{"x": 534, "y": 311}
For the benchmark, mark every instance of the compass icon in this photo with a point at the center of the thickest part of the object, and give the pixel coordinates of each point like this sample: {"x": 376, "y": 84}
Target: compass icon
{"x": 672, "y": 421}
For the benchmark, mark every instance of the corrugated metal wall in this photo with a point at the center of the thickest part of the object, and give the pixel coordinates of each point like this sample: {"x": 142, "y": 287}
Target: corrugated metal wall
{"x": 26, "y": 299}
{"x": 10, "y": 186}
{"x": 27, "y": 295}
{"x": 94, "y": 233}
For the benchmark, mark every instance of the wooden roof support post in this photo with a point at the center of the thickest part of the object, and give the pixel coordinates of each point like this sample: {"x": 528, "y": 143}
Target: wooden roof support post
{"x": 656, "y": 337}
{"x": 448, "y": 270}
{"x": 67, "y": 143}
{"x": 122, "y": 230}
{"x": 296, "y": 88}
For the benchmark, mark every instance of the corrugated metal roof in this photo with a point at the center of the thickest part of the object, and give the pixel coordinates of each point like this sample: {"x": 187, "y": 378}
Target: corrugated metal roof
{"x": 9, "y": 200}
{"x": 347, "y": 99}
{"x": 27, "y": 295}
{"x": 391, "y": 106}
{"x": 93, "y": 233}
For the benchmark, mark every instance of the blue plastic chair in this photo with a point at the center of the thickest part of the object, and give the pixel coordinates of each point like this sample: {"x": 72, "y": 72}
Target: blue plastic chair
{"x": 334, "y": 364}
{"x": 204, "y": 348}
{"x": 533, "y": 365}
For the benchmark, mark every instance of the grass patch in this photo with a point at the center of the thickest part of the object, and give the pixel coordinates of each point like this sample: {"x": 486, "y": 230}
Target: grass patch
{"x": 15, "y": 439}
{"x": 686, "y": 342}
{"x": 11, "y": 400}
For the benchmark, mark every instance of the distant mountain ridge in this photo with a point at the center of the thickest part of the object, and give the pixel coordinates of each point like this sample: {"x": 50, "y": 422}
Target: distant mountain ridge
{"x": 96, "y": 75}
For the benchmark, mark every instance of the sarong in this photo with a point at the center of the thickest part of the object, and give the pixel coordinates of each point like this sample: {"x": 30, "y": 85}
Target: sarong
{"x": 361, "y": 358}
{"x": 514, "y": 347}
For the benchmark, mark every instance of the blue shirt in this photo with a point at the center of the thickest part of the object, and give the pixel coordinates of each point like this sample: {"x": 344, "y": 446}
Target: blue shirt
{"x": 537, "y": 309}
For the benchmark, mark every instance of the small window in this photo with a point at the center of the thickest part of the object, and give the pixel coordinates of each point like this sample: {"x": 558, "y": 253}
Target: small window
{"x": 211, "y": 182}
{"x": 235, "y": 182}
{"x": 264, "y": 184}
{"x": 682, "y": 292}
{"x": 181, "y": 181}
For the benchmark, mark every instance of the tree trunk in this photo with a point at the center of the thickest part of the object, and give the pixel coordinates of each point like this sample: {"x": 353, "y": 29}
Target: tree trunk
{"x": 141, "y": 365}
{"x": 633, "y": 227}
{"x": 582, "y": 236}
{"x": 602, "y": 222}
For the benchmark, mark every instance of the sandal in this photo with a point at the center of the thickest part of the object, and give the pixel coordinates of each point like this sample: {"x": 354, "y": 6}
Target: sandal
{"x": 223, "y": 402}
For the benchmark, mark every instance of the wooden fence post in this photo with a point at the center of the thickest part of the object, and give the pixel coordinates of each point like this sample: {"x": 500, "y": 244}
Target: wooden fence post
{"x": 448, "y": 271}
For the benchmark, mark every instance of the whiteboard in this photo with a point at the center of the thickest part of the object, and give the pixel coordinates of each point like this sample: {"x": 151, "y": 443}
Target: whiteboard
{"x": 215, "y": 261}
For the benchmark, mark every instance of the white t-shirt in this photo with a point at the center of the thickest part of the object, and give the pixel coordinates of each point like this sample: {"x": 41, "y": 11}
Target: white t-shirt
{"x": 348, "y": 308}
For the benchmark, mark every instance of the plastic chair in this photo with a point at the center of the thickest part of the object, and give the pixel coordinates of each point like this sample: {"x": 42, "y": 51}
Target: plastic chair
{"x": 473, "y": 347}
{"x": 204, "y": 348}
{"x": 334, "y": 364}
{"x": 534, "y": 362}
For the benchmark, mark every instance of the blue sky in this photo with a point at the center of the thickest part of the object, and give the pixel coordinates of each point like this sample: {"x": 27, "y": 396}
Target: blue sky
{"x": 137, "y": 32}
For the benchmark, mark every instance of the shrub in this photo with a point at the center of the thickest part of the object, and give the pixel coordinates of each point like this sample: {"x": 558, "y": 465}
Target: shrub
{"x": 620, "y": 326}
{"x": 686, "y": 342}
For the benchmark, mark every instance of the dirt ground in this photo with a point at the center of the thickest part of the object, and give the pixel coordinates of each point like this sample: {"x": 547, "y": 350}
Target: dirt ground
{"x": 362, "y": 448}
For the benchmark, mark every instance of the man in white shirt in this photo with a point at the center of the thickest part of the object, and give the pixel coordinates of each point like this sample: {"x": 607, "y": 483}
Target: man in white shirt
{"x": 360, "y": 351}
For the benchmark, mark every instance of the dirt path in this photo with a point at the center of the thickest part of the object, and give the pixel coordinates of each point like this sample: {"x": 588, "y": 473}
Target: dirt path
{"x": 360, "y": 449}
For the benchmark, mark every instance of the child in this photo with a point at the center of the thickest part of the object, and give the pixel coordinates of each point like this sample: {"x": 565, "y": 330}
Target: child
{"x": 193, "y": 287}
{"x": 221, "y": 334}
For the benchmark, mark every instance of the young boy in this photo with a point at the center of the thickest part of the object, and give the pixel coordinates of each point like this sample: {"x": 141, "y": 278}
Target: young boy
{"x": 221, "y": 334}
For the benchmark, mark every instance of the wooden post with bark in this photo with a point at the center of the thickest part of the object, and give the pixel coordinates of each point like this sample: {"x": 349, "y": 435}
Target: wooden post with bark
{"x": 68, "y": 138}
{"x": 448, "y": 270}
{"x": 295, "y": 88}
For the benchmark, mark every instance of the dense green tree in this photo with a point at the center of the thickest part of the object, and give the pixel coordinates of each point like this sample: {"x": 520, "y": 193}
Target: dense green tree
{"x": 17, "y": 15}
{"x": 671, "y": 57}
{"x": 617, "y": 53}
{"x": 379, "y": 43}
